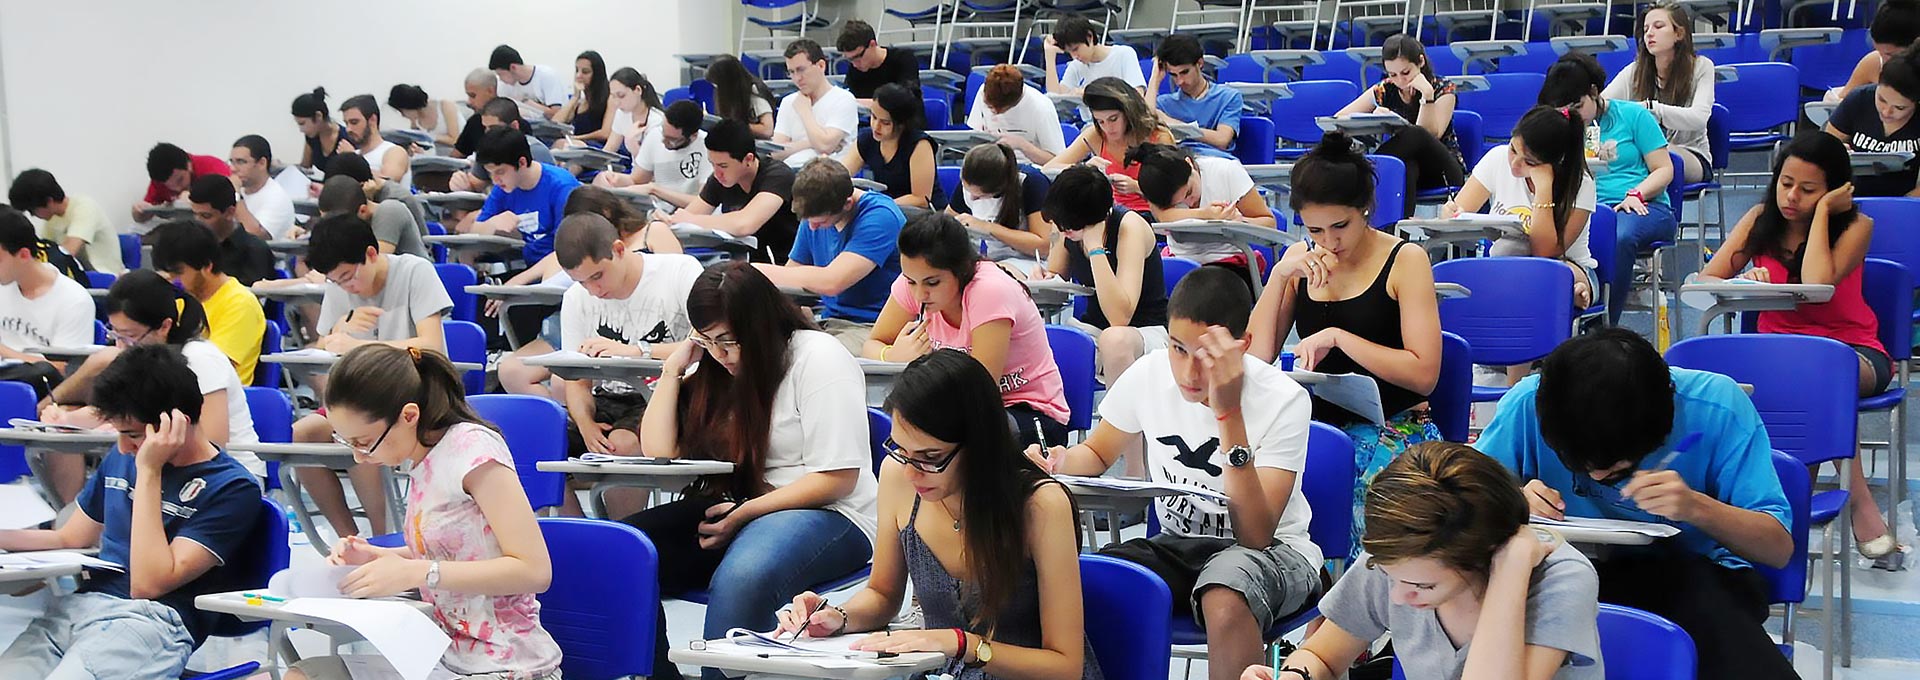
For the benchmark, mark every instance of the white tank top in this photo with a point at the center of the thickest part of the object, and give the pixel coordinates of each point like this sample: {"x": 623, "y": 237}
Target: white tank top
{"x": 377, "y": 155}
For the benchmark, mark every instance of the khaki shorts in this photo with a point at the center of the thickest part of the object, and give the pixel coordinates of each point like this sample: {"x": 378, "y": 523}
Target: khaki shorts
{"x": 851, "y": 334}
{"x": 373, "y": 667}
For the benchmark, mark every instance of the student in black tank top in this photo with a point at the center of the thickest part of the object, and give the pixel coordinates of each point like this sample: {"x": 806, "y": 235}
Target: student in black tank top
{"x": 1112, "y": 250}
{"x": 1361, "y": 302}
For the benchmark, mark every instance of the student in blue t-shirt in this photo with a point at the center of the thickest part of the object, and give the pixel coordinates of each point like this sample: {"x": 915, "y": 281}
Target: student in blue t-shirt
{"x": 848, "y": 253}
{"x": 1629, "y": 161}
{"x": 170, "y": 506}
{"x": 1212, "y": 106}
{"x": 1608, "y": 430}
{"x": 528, "y": 197}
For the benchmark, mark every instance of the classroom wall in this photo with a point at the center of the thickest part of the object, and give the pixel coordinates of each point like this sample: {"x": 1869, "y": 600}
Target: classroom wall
{"x": 90, "y": 86}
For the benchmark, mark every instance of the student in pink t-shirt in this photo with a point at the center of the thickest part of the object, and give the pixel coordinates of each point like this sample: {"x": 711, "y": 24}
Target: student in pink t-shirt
{"x": 948, "y": 297}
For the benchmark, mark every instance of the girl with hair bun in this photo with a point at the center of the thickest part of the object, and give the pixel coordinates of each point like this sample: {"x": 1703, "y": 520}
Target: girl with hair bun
{"x": 1362, "y": 302}
{"x": 1450, "y": 565}
{"x": 436, "y": 117}
{"x": 324, "y": 138}
{"x": 1000, "y": 197}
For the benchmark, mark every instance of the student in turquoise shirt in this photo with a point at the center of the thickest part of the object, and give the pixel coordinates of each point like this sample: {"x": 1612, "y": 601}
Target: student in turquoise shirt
{"x": 847, "y": 250}
{"x": 1608, "y": 430}
{"x": 1630, "y": 162}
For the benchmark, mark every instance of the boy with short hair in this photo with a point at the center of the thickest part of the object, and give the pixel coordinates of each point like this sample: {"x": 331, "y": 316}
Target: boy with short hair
{"x": 849, "y": 254}
{"x": 1195, "y": 99}
{"x": 73, "y": 221}
{"x": 38, "y": 306}
{"x": 170, "y": 172}
{"x": 672, "y": 164}
{"x": 528, "y": 197}
{"x": 167, "y": 504}
{"x": 392, "y": 223}
{"x": 818, "y": 119}
{"x": 1213, "y": 416}
{"x": 1076, "y": 37}
{"x": 749, "y": 194}
{"x": 183, "y": 251}
{"x": 873, "y": 65}
{"x": 537, "y": 85}
{"x": 265, "y": 209}
{"x": 241, "y": 255}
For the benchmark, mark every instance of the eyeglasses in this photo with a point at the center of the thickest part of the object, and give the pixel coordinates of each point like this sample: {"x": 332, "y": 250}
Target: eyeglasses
{"x": 119, "y": 338}
{"x": 712, "y": 345}
{"x": 337, "y": 439}
{"x": 933, "y": 467}
{"x": 353, "y": 272}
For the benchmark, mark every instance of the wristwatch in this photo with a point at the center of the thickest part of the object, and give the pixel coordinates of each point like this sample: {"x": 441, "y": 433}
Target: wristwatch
{"x": 433, "y": 574}
{"x": 1239, "y": 455}
{"x": 1635, "y": 194}
{"x": 982, "y": 654}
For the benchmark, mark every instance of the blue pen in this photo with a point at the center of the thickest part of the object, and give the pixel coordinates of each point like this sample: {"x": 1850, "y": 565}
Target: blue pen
{"x": 1685, "y": 444}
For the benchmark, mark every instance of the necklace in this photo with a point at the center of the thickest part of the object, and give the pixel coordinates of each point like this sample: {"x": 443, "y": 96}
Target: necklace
{"x": 951, "y": 513}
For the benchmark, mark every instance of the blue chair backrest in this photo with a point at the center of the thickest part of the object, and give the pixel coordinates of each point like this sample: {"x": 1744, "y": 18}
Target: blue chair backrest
{"x": 1804, "y": 387}
{"x": 1255, "y": 145}
{"x": 1719, "y": 136}
{"x": 466, "y": 342}
{"x": 536, "y": 430}
{"x": 1677, "y": 189}
{"x": 1175, "y": 268}
{"x": 1766, "y": 96}
{"x": 948, "y": 177}
{"x": 879, "y": 428}
{"x": 99, "y": 280}
{"x": 267, "y": 554}
{"x": 1896, "y": 232}
{"x": 1829, "y": 65}
{"x": 439, "y": 252}
{"x": 676, "y": 95}
{"x": 272, "y": 414}
{"x": 130, "y": 250}
{"x": 1520, "y": 309}
{"x": 702, "y": 91}
{"x": 100, "y": 332}
{"x": 456, "y": 277}
{"x": 1073, "y": 352}
{"x": 969, "y": 95}
{"x": 1451, "y": 404}
{"x": 602, "y": 624}
{"x": 1293, "y": 118}
{"x": 1888, "y": 288}
{"x": 1643, "y": 646}
{"x": 1328, "y": 487}
{"x": 1508, "y": 96}
{"x": 1389, "y": 190}
{"x": 1127, "y": 608}
{"x": 271, "y": 341}
{"x": 1241, "y": 68}
{"x": 1470, "y": 129}
{"x": 939, "y": 113}
{"x": 16, "y": 401}
{"x": 1789, "y": 584}
{"x": 1602, "y": 224}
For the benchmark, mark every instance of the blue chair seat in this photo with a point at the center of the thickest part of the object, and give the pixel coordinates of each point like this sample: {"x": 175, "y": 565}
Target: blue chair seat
{"x": 235, "y": 673}
{"x": 1693, "y": 189}
{"x": 1485, "y": 393}
{"x": 393, "y": 540}
{"x": 1884, "y": 400}
{"x": 1186, "y": 632}
{"x": 917, "y": 16}
{"x": 1436, "y": 194}
{"x": 1744, "y": 142}
{"x": 1827, "y": 506}
{"x": 700, "y": 596}
{"x": 1290, "y": 153}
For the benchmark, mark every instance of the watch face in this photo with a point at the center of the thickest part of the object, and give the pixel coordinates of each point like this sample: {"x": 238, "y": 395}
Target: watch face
{"x": 1239, "y": 456}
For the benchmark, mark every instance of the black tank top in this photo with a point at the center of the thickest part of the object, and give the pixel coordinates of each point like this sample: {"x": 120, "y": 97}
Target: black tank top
{"x": 1374, "y": 316}
{"x": 323, "y": 154}
{"x": 1152, "y": 309}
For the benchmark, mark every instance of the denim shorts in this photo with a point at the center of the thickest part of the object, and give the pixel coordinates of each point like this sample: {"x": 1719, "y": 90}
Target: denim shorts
{"x": 96, "y": 635}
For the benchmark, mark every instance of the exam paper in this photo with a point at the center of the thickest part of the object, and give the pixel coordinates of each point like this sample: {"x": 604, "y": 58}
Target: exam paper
{"x": 1118, "y": 484}
{"x": 402, "y": 633}
{"x": 55, "y": 558}
{"x": 21, "y": 507}
{"x": 309, "y": 580}
{"x": 1616, "y": 525}
{"x": 1351, "y": 391}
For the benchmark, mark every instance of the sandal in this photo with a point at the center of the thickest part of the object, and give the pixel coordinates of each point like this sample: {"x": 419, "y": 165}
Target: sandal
{"x": 1886, "y": 554}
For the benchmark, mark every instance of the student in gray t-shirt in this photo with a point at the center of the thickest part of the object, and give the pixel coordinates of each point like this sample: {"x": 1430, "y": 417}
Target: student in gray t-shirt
{"x": 392, "y": 223}
{"x": 1464, "y": 585}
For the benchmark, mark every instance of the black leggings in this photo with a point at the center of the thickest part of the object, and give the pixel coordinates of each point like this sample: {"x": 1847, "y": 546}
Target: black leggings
{"x": 1430, "y": 164}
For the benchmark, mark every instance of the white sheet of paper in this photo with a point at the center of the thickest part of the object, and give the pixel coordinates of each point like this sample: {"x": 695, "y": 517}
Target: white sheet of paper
{"x": 404, "y": 635}
{"x": 316, "y": 579}
{"x": 21, "y": 507}
{"x": 50, "y": 558}
{"x": 1350, "y": 391}
{"x": 308, "y": 353}
{"x": 1601, "y": 524}
{"x": 1139, "y": 484}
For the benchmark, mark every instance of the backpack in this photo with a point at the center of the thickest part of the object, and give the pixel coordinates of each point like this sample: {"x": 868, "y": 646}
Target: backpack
{"x": 69, "y": 266}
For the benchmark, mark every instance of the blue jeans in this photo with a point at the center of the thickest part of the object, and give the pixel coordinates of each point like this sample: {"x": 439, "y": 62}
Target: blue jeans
{"x": 1632, "y": 233}
{"x": 89, "y": 636}
{"x": 772, "y": 559}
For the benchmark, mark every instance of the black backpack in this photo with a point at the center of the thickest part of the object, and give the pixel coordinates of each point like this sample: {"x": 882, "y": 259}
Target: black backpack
{"x": 69, "y": 266}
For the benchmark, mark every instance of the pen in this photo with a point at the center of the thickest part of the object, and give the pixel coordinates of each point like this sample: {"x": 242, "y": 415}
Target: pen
{"x": 1685, "y": 444}
{"x": 803, "y": 622}
{"x": 1273, "y": 659}
{"x": 1040, "y": 434}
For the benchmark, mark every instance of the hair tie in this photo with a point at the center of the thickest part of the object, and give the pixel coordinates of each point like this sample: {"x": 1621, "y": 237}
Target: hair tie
{"x": 414, "y": 353}
{"x": 1566, "y": 112}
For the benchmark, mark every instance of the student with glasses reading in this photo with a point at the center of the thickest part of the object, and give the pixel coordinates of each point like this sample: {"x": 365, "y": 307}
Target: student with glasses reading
{"x": 986, "y": 538}
{"x": 786, "y": 405}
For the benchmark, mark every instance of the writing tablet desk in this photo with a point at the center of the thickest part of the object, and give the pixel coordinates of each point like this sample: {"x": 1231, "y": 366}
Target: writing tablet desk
{"x": 656, "y": 473}
{"x": 65, "y": 354}
{"x": 326, "y": 456}
{"x": 1114, "y": 502}
{"x": 476, "y": 244}
{"x": 796, "y": 666}
{"x": 1727, "y": 297}
{"x": 236, "y": 604}
{"x": 1240, "y": 235}
{"x": 517, "y": 296}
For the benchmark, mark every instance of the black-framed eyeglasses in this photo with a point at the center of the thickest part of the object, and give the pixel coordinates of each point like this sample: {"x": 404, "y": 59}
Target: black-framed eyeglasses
{"x": 121, "y": 339}
{"x": 337, "y": 439}
{"x": 932, "y": 467}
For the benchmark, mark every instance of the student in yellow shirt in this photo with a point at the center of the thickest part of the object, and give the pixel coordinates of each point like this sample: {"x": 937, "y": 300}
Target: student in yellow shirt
{"x": 183, "y": 250}
{"x": 75, "y": 222}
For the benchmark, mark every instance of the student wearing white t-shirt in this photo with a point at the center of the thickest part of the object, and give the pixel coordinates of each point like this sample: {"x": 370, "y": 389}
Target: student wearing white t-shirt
{"x": 1540, "y": 177}
{"x": 1215, "y": 417}
{"x": 361, "y": 115}
{"x": 787, "y": 405}
{"x": 1021, "y": 116}
{"x": 671, "y": 164}
{"x": 38, "y": 306}
{"x": 1075, "y": 36}
{"x": 540, "y": 86}
{"x": 636, "y": 111}
{"x": 1180, "y": 185}
{"x": 144, "y": 309}
{"x": 819, "y": 119}
{"x": 268, "y": 210}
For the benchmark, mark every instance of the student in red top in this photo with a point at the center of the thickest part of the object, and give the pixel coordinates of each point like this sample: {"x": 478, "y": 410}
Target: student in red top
{"x": 171, "y": 171}
{"x": 1808, "y": 231}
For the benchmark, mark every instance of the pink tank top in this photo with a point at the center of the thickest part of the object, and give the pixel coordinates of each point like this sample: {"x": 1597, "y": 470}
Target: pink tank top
{"x": 1846, "y": 317}
{"x": 1117, "y": 158}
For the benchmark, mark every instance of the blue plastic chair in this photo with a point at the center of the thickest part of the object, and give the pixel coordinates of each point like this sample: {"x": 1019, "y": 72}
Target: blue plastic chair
{"x": 1293, "y": 121}
{"x": 1451, "y": 403}
{"x": 702, "y": 91}
{"x": 267, "y": 555}
{"x": 1241, "y": 68}
{"x": 536, "y": 431}
{"x": 456, "y": 277}
{"x": 1508, "y": 96}
{"x": 1644, "y": 646}
{"x": 466, "y": 342}
{"x": 1120, "y": 600}
{"x": 1469, "y": 132}
{"x": 272, "y": 413}
{"x": 1718, "y": 139}
{"x": 1787, "y": 585}
{"x": 1602, "y": 228}
{"x": 1327, "y": 485}
{"x": 1810, "y": 413}
{"x": 938, "y": 112}
{"x": 948, "y": 177}
{"x": 130, "y": 251}
{"x": 1073, "y": 352}
{"x": 99, "y": 281}
{"x": 1389, "y": 191}
{"x": 1890, "y": 241}
{"x": 16, "y": 401}
{"x": 439, "y": 252}
{"x": 1830, "y": 65}
{"x": 1175, "y": 268}
{"x": 1518, "y": 312}
{"x": 1764, "y": 101}
{"x": 678, "y": 94}
{"x": 879, "y": 428}
{"x": 100, "y": 332}
{"x": 271, "y": 342}
{"x": 604, "y": 626}
{"x": 1257, "y": 142}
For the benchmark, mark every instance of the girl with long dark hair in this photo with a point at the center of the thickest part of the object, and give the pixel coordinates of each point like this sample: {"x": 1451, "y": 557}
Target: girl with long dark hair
{"x": 1541, "y": 177}
{"x": 1412, "y": 91}
{"x": 986, "y": 538}
{"x": 1002, "y": 198}
{"x": 786, "y": 405}
{"x": 1121, "y": 121}
{"x": 587, "y": 109}
{"x": 897, "y": 150}
{"x": 324, "y": 138}
{"x": 740, "y": 95}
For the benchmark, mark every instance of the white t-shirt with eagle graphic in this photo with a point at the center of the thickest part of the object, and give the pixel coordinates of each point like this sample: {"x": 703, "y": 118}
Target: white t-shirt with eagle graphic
{"x": 656, "y": 312}
{"x": 1510, "y": 196}
{"x": 1183, "y": 444}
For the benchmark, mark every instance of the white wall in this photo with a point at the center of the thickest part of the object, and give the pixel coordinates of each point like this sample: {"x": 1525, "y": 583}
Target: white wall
{"x": 90, "y": 86}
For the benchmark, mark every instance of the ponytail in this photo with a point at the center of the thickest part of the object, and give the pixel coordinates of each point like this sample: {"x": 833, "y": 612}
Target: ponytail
{"x": 1334, "y": 173}
{"x": 380, "y": 380}
{"x": 1164, "y": 169}
{"x": 149, "y": 300}
{"x": 995, "y": 169}
{"x": 1558, "y": 137}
